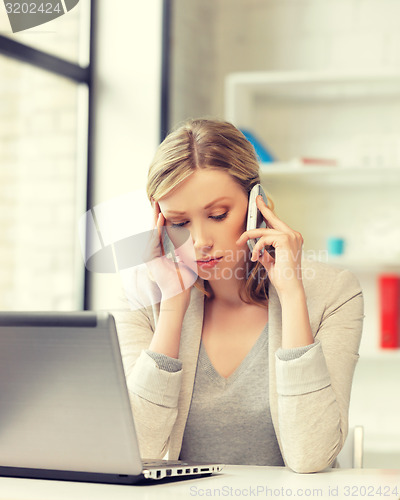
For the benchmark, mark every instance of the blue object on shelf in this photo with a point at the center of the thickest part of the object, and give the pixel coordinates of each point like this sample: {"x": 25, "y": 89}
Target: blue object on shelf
{"x": 263, "y": 154}
{"x": 335, "y": 245}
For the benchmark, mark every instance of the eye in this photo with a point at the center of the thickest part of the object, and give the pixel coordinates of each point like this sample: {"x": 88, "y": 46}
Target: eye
{"x": 219, "y": 217}
{"x": 178, "y": 224}
{"x": 215, "y": 217}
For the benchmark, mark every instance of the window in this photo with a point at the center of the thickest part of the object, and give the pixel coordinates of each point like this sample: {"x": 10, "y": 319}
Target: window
{"x": 44, "y": 124}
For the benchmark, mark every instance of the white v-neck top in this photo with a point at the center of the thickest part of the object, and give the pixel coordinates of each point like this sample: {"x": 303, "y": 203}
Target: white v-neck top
{"x": 229, "y": 419}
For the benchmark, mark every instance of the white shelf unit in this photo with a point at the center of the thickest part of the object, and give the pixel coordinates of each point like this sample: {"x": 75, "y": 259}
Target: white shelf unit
{"x": 361, "y": 207}
{"x": 332, "y": 115}
{"x": 348, "y": 187}
{"x": 338, "y": 174}
{"x": 353, "y": 118}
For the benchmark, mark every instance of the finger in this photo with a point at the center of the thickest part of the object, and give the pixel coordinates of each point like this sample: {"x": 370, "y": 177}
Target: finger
{"x": 157, "y": 211}
{"x": 160, "y": 225}
{"x": 264, "y": 244}
{"x": 256, "y": 233}
{"x": 273, "y": 220}
{"x": 268, "y": 255}
{"x": 266, "y": 258}
{"x": 153, "y": 249}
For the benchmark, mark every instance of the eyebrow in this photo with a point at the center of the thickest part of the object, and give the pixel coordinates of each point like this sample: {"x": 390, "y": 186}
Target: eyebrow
{"x": 176, "y": 212}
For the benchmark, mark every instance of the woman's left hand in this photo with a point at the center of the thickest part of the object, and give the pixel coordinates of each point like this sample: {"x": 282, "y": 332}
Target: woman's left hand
{"x": 284, "y": 271}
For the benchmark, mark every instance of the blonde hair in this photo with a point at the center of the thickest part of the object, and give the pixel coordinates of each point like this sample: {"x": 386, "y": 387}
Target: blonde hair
{"x": 202, "y": 144}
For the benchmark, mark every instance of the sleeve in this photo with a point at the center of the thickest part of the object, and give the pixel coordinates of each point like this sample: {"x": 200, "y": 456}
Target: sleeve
{"x": 153, "y": 391}
{"x": 293, "y": 352}
{"x": 165, "y": 362}
{"x": 314, "y": 388}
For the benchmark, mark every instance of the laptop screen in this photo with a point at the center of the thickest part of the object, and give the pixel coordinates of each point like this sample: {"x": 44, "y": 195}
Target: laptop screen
{"x": 64, "y": 402}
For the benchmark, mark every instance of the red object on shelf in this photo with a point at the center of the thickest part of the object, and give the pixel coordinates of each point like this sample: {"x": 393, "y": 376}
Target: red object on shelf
{"x": 328, "y": 162}
{"x": 389, "y": 298}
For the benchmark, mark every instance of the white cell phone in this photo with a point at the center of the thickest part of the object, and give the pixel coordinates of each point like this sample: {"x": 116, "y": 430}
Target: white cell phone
{"x": 255, "y": 219}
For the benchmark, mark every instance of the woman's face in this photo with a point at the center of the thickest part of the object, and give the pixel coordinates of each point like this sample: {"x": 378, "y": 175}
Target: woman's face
{"x": 212, "y": 206}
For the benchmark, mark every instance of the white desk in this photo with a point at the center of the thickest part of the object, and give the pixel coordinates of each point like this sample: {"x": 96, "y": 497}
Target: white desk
{"x": 234, "y": 482}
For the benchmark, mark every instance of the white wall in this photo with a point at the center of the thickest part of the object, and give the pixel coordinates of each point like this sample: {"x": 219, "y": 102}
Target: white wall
{"x": 193, "y": 58}
{"x": 127, "y": 104}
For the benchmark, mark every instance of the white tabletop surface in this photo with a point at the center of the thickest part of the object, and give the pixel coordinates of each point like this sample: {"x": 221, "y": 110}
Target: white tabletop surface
{"x": 234, "y": 482}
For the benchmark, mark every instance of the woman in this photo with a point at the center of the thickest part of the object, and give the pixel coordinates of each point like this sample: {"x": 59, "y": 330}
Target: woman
{"x": 252, "y": 363}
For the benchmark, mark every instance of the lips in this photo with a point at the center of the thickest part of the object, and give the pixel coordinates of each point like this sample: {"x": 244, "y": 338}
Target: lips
{"x": 210, "y": 259}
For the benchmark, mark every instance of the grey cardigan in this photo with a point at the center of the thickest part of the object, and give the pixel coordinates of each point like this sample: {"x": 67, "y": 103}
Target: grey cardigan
{"x": 309, "y": 395}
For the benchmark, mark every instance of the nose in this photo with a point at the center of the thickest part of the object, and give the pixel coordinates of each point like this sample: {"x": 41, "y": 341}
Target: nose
{"x": 202, "y": 240}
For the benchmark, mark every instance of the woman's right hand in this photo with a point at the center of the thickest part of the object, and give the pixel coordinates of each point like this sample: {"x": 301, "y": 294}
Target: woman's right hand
{"x": 175, "y": 279}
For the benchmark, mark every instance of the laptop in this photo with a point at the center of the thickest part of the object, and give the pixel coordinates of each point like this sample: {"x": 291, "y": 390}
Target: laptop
{"x": 64, "y": 406}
